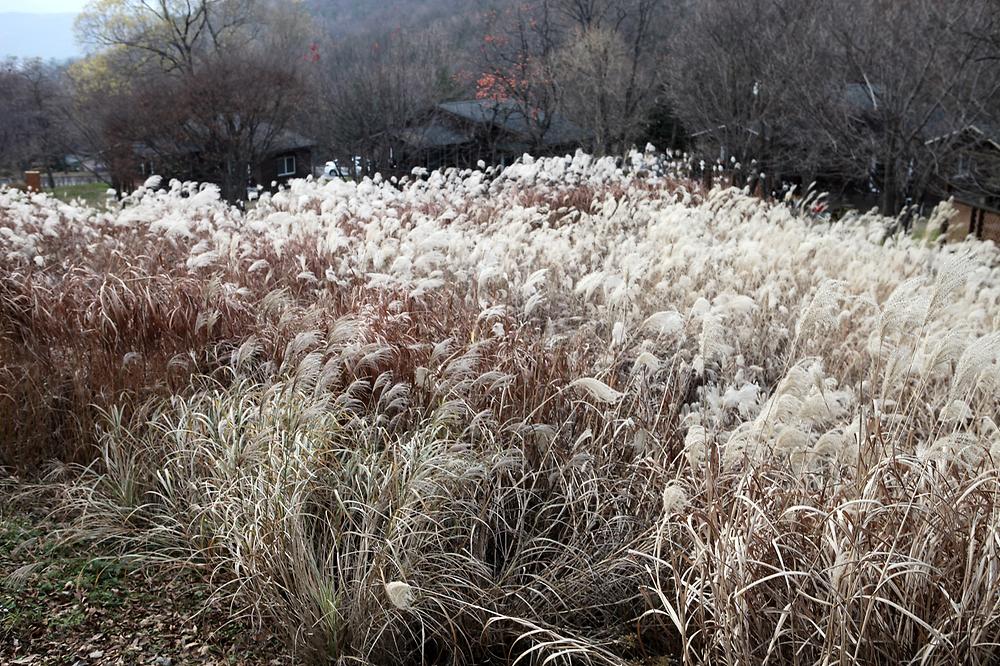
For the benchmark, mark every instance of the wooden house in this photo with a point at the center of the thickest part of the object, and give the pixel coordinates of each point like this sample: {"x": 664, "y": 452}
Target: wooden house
{"x": 464, "y": 133}
{"x": 972, "y": 181}
{"x": 279, "y": 156}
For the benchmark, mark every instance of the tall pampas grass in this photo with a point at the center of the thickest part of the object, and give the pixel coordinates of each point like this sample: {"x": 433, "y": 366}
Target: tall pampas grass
{"x": 571, "y": 411}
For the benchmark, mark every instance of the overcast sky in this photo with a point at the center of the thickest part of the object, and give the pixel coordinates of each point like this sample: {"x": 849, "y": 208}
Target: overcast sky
{"x": 39, "y": 28}
{"x": 42, "y": 6}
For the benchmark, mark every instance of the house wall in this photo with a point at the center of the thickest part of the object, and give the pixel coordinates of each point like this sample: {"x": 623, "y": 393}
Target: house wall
{"x": 961, "y": 225}
{"x": 267, "y": 170}
{"x": 991, "y": 226}
{"x": 487, "y": 143}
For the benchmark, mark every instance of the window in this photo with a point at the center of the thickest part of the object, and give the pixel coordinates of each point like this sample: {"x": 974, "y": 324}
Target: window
{"x": 965, "y": 165}
{"x": 286, "y": 165}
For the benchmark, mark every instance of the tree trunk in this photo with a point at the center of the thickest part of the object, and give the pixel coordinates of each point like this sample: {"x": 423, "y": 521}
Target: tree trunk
{"x": 890, "y": 195}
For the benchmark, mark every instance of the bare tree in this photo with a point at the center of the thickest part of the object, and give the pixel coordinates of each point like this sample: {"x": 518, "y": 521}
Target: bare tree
{"x": 517, "y": 64}
{"x": 596, "y": 61}
{"x": 593, "y": 71}
{"x": 811, "y": 88}
{"x": 16, "y": 118}
{"x": 612, "y": 50}
{"x": 173, "y": 33}
{"x": 737, "y": 71}
{"x": 366, "y": 86}
{"x": 921, "y": 85}
{"x": 32, "y": 131}
{"x": 215, "y": 124}
{"x": 205, "y": 86}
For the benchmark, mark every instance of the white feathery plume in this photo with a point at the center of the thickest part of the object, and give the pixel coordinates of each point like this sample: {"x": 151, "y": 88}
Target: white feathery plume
{"x": 400, "y": 594}
{"x": 597, "y": 390}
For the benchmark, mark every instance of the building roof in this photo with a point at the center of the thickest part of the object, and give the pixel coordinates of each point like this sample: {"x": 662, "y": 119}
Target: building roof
{"x": 282, "y": 141}
{"x": 862, "y": 96}
{"x": 865, "y": 98}
{"x": 432, "y": 135}
{"x": 859, "y": 97}
{"x": 755, "y": 128}
{"x": 287, "y": 140}
{"x": 509, "y": 116}
{"x": 983, "y": 132}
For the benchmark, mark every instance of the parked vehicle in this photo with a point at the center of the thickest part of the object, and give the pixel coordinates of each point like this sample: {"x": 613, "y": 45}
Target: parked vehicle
{"x": 334, "y": 169}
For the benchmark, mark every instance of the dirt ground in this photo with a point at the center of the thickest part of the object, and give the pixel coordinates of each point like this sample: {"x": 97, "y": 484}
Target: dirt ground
{"x": 79, "y": 606}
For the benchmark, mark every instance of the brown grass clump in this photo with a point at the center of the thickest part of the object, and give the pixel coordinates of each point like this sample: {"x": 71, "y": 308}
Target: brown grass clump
{"x": 574, "y": 413}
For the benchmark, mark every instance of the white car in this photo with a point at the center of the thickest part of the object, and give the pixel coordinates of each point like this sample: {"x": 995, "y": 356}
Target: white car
{"x": 335, "y": 169}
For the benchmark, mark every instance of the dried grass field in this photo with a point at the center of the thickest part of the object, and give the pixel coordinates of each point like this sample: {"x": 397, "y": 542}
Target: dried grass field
{"x": 571, "y": 412}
